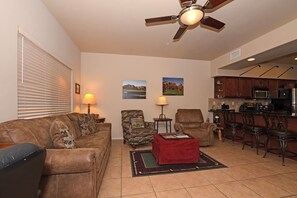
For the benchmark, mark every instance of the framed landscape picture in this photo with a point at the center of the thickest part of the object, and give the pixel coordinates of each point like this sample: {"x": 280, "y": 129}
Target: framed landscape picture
{"x": 134, "y": 89}
{"x": 173, "y": 86}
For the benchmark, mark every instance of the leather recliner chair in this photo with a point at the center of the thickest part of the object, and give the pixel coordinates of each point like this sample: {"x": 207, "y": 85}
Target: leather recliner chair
{"x": 20, "y": 170}
{"x": 191, "y": 121}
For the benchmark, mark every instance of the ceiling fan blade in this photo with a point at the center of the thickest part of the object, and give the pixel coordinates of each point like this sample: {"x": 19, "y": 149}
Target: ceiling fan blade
{"x": 210, "y": 4}
{"x": 180, "y": 32}
{"x": 160, "y": 19}
{"x": 211, "y": 22}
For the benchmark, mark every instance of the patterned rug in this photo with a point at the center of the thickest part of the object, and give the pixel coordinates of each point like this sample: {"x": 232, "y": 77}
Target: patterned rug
{"x": 143, "y": 163}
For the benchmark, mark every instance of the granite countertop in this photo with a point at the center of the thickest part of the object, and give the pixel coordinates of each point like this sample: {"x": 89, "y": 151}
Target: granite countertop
{"x": 255, "y": 112}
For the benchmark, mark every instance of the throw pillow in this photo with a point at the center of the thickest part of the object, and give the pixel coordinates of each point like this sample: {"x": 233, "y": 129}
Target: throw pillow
{"x": 87, "y": 124}
{"x": 61, "y": 136}
{"x": 137, "y": 123}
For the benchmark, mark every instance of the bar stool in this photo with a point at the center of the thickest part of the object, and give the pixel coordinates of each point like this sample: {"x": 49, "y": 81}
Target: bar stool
{"x": 231, "y": 125}
{"x": 277, "y": 128}
{"x": 254, "y": 130}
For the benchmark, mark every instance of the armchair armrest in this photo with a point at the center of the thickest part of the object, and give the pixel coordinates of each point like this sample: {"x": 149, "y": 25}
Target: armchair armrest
{"x": 149, "y": 125}
{"x": 65, "y": 161}
{"x": 209, "y": 126}
{"x": 104, "y": 126}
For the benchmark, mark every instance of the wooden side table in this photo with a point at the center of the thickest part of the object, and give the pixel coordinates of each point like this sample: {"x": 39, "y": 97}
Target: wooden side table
{"x": 167, "y": 123}
{"x": 219, "y": 130}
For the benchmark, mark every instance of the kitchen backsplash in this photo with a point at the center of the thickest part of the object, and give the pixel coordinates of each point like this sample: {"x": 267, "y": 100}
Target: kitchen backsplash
{"x": 234, "y": 103}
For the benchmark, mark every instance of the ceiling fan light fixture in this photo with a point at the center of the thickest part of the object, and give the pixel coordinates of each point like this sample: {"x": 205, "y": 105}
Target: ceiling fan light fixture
{"x": 295, "y": 59}
{"x": 191, "y": 15}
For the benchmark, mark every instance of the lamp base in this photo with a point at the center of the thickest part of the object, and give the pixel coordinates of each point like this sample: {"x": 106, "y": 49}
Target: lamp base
{"x": 89, "y": 109}
{"x": 162, "y": 116}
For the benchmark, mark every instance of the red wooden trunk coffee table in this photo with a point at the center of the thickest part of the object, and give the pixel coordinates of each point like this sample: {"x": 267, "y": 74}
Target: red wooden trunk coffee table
{"x": 170, "y": 150}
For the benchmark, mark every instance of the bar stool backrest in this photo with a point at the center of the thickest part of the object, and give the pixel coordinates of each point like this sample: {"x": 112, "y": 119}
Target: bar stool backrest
{"x": 276, "y": 122}
{"x": 248, "y": 120}
{"x": 229, "y": 116}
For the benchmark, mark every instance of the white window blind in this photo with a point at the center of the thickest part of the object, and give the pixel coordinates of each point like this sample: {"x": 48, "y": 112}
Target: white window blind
{"x": 44, "y": 83}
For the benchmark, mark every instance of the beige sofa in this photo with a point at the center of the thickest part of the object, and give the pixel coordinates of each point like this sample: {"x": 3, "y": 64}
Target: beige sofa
{"x": 191, "y": 121}
{"x": 68, "y": 172}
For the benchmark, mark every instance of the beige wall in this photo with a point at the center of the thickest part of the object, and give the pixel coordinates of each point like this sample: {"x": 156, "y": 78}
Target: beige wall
{"x": 102, "y": 74}
{"x": 277, "y": 37}
{"x": 34, "y": 19}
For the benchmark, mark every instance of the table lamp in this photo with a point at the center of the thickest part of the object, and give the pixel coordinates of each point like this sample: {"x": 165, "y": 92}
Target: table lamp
{"x": 89, "y": 99}
{"x": 162, "y": 101}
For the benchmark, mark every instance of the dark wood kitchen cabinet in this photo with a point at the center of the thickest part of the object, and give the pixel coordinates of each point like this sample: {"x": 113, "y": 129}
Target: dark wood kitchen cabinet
{"x": 245, "y": 88}
{"x": 273, "y": 88}
{"x": 231, "y": 87}
{"x": 226, "y": 87}
{"x": 260, "y": 83}
{"x": 238, "y": 87}
{"x": 286, "y": 84}
{"x": 219, "y": 87}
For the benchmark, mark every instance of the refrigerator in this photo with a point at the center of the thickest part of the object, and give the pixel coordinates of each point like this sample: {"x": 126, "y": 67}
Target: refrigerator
{"x": 294, "y": 101}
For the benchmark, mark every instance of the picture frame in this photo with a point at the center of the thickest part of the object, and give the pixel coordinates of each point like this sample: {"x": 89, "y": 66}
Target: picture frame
{"x": 173, "y": 86}
{"x": 134, "y": 89}
{"x": 77, "y": 88}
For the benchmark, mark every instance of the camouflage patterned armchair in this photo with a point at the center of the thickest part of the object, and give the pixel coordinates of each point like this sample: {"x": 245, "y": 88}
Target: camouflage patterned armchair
{"x": 135, "y": 130}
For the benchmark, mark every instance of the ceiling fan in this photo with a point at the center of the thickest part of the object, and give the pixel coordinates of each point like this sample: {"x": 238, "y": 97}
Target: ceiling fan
{"x": 192, "y": 14}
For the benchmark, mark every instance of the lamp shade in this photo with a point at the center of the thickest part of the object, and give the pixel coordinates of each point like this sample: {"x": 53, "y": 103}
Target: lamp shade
{"x": 191, "y": 15}
{"x": 89, "y": 99}
{"x": 162, "y": 101}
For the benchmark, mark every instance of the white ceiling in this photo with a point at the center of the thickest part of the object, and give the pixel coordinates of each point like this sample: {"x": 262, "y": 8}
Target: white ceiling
{"x": 106, "y": 26}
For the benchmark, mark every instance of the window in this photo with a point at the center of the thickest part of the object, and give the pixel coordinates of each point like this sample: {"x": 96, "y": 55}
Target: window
{"x": 44, "y": 83}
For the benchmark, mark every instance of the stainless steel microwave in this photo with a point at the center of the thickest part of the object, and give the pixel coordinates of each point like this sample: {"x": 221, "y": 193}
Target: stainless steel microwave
{"x": 260, "y": 93}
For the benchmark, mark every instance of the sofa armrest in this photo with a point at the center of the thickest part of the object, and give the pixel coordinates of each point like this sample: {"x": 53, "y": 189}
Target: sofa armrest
{"x": 104, "y": 126}
{"x": 178, "y": 127}
{"x": 65, "y": 161}
{"x": 208, "y": 126}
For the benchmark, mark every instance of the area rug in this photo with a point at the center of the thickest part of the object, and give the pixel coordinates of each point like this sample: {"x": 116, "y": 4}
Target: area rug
{"x": 143, "y": 163}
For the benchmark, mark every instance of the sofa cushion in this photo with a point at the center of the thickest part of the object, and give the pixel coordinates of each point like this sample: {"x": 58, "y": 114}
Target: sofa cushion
{"x": 61, "y": 136}
{"x": 95, "y": 140}
{"x": 27, "y": 131}
{"x": 69, "y": 124}
{"x": 74, "y": 119}
{"x": 137, "y": 123}
{"x": 87, "y": 124}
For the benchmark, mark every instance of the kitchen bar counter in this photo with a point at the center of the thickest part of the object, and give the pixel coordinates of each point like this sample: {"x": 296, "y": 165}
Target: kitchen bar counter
{"x": 255, "y": 112}
{"x": 259, "y": 120}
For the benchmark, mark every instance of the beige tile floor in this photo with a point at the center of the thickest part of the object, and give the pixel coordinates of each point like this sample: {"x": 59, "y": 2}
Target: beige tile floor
{"x": 247, "y": 175}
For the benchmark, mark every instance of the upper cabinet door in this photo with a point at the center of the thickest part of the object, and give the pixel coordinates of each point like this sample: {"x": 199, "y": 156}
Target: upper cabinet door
{"x": 231, "y": 87}
{"x": 287, "y": 84}
{"x": 273, "y": 88}
{"x": 245, "y": 88}
{"x": 259, "y": 82}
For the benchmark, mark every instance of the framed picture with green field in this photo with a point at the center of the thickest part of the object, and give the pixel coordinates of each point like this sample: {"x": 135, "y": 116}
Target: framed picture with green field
{"x": 134, "y": 89}
{"x": 173, "y": 86}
